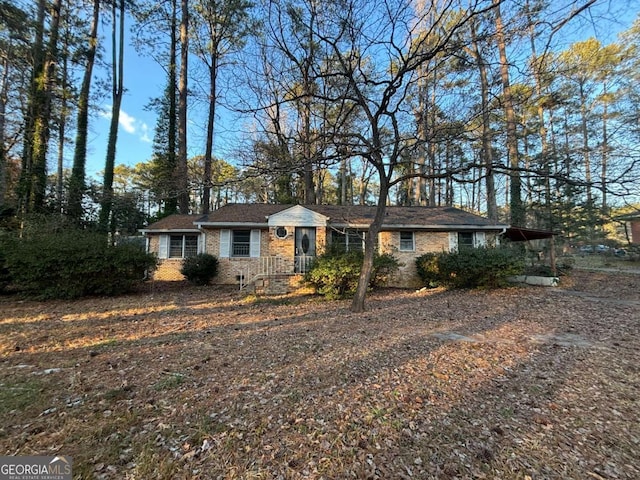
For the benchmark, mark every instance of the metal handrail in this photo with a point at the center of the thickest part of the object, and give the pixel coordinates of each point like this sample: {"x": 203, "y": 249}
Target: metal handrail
{"x": 273, "y": 265}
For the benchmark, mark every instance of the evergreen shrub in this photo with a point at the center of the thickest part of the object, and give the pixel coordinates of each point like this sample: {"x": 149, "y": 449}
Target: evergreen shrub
{"x": 335, "y": 274}
{"x": 200, "y": 269}
{"x": 427, "y": 266}
{"x": 471, "y": 267}
{"x": 73, "y": 264}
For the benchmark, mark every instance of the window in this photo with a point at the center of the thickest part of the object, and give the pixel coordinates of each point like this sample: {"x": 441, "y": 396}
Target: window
{"x": 407, "y": 243}
{"x": 182, "y": 246}
{"x": 465, "y": 240}
{"x": 348, "y": 241}
{"x": 241, "y": 243}
{"x": 281, "y": 232}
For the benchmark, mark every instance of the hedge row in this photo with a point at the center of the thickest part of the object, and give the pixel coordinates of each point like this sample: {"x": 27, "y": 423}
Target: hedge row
{"x": 70, "y": 265}
{"x": 470, "y": 267}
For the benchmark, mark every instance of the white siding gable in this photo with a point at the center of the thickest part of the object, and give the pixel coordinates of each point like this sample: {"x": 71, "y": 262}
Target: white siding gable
{"x": 297, "y": 216}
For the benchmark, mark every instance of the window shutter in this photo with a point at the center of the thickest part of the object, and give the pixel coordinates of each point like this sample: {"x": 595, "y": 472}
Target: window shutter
{"x": 480, "y": 239}
{"x": 163, "y": 246}
{"x": 254, "y": 245}
{"x": 202, "y": 242}
{"x": 453, "y": 241}
{"x": 225, "y": 243}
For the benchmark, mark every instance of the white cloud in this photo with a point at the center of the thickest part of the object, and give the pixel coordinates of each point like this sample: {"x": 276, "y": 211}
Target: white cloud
{"x": 128, "y": 122}
{"x": 144, "y": 135}
{"x": 105, "y": 112}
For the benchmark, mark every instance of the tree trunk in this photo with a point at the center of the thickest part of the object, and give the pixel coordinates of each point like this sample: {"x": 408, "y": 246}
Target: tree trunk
{"x": 76, "y": 182}
{"x": 64, "y": 79}
{"x": 358, "y": 303}
{"x": 432, "y": 151}
{"x": 106, "y": 225}
{"x": 208, "y": 153}
{"x": 25, "y": 186}
{"x": 171, "y": 202}
{"x": 181, "y": 167}
{"x": 486, "y": 151}
{"x": 4, "y": 84}
{"x": 515, "y": 190}
{"x": 43, "y": 118}
{"x": 585, "y": 145}
{"x": 605, "y": 153}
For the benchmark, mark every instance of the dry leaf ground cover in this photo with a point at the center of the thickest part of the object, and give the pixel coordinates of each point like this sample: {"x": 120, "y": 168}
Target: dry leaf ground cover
{"x": 201, "y": 383}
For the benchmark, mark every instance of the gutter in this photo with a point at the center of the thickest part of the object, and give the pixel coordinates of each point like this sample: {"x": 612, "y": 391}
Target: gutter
{"x": 144, "y": 231}
{"x": 232, "y": 224}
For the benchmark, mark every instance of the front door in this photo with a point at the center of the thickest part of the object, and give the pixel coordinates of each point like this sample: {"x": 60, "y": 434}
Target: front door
{"x": 305, "y": 248}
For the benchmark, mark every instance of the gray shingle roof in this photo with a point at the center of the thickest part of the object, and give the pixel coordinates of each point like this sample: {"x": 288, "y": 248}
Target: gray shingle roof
{"x": 174, "y": 222}
{"x": 396, "y": 217}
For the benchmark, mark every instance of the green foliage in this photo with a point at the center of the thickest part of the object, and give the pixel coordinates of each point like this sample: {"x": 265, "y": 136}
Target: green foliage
{"x": 384, "y": 267}
{"x": 335, "y": 274}
{"x": 427, "y": 266}
{"x": 470, "y": 267}
{"x": 73, "y": 264}
{"x": 200, "y": 269}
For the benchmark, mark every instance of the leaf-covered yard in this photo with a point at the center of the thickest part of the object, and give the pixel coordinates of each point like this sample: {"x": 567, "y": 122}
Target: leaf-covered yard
{"x": 201, "y": 383}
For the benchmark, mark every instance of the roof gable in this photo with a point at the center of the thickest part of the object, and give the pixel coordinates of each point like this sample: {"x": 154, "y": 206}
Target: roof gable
{"x": 298, "y": 216}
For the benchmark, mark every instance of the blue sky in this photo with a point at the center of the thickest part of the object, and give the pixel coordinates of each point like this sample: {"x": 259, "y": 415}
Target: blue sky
{"x": 145, "y": 79}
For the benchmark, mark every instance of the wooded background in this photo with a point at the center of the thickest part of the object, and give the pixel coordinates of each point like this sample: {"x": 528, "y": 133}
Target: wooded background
{"x": 510, "y": 108}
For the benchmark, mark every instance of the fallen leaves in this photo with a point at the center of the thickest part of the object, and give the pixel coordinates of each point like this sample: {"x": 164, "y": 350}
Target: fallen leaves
{"x": 198, "y": 383}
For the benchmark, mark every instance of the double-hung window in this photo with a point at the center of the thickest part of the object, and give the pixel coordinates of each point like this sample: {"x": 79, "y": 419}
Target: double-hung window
{"x": 183, "y": 246}
{"x": 465, "y": 240}
{"x": 348, "y": 241}
{"x": 407, "y": 242}
{"x": 240, "y": 243}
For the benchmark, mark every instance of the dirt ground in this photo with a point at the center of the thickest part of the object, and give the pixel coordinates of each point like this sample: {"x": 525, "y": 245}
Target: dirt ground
{"x": 178, "y": 382}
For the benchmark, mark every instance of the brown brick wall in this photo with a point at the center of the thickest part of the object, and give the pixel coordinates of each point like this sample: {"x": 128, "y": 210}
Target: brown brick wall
{"x": 425, "y": 242}
{"x": 283, "y": 247}
{"x": 169, "y": 270}
{"x": 272, "y": 246}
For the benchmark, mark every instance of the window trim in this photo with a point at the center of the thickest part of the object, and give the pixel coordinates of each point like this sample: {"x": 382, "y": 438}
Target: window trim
{"x": 467, "y": 245}
{"x": 183, "y": 245}
{"x": 348, "y": 234}
{"x": 227, "y": 243}
{"x": 413, "y": 241}
{"x": 234, "y": 243}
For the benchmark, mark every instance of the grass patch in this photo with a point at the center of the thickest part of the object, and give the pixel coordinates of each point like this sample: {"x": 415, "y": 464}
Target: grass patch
{"x": 171, "y": 381}
{"x": 19, "y": 395}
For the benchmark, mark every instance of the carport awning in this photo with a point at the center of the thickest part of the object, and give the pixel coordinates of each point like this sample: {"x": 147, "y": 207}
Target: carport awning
{"x": 518, "y": 234}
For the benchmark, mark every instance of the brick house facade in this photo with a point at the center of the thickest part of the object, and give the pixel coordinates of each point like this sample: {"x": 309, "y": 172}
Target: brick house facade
{"x": 259, "y": 244}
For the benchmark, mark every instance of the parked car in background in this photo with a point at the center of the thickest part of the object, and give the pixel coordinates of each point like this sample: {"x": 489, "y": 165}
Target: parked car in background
{"x": 602, "y": 248}
{"x": 585, "y": 249}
